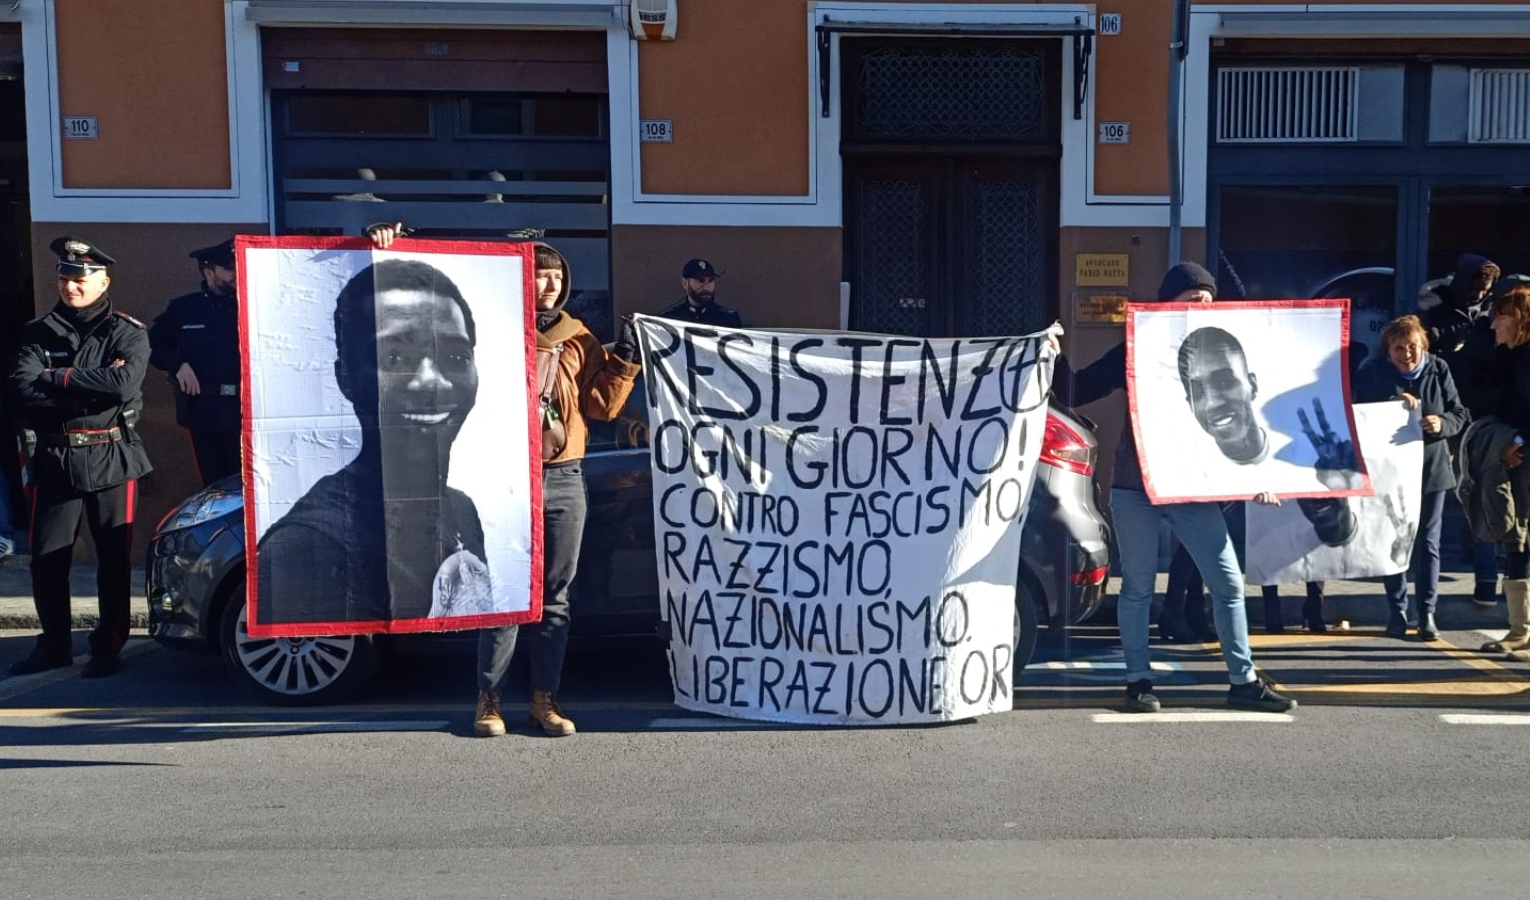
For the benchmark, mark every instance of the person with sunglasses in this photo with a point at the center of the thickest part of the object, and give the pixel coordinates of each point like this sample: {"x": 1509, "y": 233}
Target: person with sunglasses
{"x": 77, "y": 381}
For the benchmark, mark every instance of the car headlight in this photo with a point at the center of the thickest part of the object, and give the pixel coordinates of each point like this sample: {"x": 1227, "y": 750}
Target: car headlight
{"x": 200, "y": 507}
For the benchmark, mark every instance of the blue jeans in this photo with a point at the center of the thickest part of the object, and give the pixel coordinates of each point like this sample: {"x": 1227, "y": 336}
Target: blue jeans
{"x": 1203, "y": 532}
{"x": 1425, "y": 560}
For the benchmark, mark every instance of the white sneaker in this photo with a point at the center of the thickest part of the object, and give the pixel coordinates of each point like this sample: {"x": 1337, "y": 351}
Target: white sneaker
{"x": 7, "y": 546}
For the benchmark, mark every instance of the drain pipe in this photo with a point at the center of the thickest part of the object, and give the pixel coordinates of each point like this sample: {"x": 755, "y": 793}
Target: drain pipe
{"x": 1178, "y": 50}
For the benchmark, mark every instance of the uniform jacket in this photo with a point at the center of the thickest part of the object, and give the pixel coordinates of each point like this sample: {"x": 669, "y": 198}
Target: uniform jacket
{"x": 711, "y": 314}
{"x": 202, "y": 330}
{"x": 1435, "y": 389}
{"x": 87, "y": 393}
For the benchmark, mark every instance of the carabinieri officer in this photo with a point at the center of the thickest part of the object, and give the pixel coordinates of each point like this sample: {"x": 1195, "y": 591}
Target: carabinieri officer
{"x": 78, "y": 384}
{"x": 196, "y": 341}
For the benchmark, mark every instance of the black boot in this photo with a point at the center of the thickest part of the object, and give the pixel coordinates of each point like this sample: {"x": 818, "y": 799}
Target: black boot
{"x": 1397, "y": 625}
{"x": 1485, "y": 594}
{"x": 1195, "y": 617}
{"x": 1273, "y": 622}
{"x": 1312, "y": 608}
{"x": 1173, "y": 629}
{"x": 42, "y": 658}
{"x": 1426, "y": 627}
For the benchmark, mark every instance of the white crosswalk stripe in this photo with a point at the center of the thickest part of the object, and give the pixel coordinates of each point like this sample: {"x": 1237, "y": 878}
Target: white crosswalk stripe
{"x": 1485, "y": 718}
{"x": 1196, "y": 717}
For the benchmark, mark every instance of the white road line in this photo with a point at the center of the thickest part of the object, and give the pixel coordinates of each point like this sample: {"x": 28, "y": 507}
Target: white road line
{"x": 336, "y": 727}
{"x": 1484, "y": 719}
{"x": 1092, "y": 665}
{"x": 1138, "y": 718}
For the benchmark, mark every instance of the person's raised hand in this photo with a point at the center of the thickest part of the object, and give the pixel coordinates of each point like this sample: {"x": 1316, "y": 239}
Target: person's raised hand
{"x": 1337, "y": 467}
{"x": 383, "y": 234}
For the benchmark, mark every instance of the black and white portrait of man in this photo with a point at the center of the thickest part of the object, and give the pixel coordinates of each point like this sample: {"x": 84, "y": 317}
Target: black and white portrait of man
{"x": 1237, "y": 399}
{"x": 382, "y": 536}
{"x": 1221, "y": 390}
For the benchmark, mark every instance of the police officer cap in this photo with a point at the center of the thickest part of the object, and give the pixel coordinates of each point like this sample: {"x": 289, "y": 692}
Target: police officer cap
{"x": 80, "y": 252}
{"x": 216, "y": 255}
{"x": 699, "y": 268}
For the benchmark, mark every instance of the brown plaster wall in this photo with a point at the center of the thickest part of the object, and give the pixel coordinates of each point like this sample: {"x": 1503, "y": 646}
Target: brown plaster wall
{"x": 774, "y": 277}
{"x": 154, "y": 76}
{"x": 734, "y": 82}
{"x": 1084, "y": 343}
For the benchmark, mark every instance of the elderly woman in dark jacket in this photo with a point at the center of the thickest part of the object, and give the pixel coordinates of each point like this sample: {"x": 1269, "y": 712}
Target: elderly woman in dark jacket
{"x": 1422, "y": 380}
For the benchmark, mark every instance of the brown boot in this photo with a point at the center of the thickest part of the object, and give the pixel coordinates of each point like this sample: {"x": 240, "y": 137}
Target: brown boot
{"x": 546, "y": 715}
{"x": 487, "y": 722}
{"x": 1516, "y": 591}
{"x": 1518, "y": 656}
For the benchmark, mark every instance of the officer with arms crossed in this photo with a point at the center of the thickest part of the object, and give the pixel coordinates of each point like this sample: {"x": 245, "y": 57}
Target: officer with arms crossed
{"x": 78, "y": 385}
{"x": 196, "y": 341}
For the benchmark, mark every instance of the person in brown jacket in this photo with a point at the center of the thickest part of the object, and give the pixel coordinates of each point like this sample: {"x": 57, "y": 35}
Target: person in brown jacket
{"x": 590, "y": 383}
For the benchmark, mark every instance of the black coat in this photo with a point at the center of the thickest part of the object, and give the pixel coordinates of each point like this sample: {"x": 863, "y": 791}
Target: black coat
{"x": 201, "y": 330}
{"x": 711, "y": 314}
{"x": 63, "y": 380}
{"x": 1435, "y": 389}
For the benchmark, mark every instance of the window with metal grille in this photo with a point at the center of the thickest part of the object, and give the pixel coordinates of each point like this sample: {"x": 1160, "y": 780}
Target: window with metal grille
{"x": 1267, "y": 104}
{"x": 1500, "y": 106}
{"x": 935, "y": 90}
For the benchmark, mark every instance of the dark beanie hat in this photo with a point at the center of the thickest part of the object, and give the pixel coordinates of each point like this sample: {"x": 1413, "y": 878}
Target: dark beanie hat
{"x": 1187, "y": 276}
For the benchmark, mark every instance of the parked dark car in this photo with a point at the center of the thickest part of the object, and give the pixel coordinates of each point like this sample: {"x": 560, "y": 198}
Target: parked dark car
{"x": 196, "y": 567}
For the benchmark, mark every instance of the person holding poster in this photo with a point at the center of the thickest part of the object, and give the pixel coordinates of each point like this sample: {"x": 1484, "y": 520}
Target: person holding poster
{"x": 384, "y": 538}
{"x": 1422, "y": 381}
{"x": 585, "y": 382}
{"x": 1199, "y": 525}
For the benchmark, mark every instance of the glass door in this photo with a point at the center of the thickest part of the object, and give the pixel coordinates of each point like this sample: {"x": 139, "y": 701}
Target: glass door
{"x": 1283, "y": 242}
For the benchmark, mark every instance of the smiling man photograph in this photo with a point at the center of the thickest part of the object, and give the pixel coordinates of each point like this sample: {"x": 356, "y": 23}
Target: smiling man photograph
{"x": 384, "y": 538}
{"x": 1221, "y": 390}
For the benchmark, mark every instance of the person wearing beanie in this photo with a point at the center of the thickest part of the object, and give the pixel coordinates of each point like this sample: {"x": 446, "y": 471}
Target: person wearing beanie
{"x": 1199, "y": 526}
{"x": 78, "y": 385}
{"x": 1458, "y": 326}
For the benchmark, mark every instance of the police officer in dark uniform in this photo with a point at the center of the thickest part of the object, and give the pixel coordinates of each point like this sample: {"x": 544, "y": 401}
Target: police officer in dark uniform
{"x": 699, "y": 279}
{"x": 78, "y": 385}
{"x": 196, "y": 342}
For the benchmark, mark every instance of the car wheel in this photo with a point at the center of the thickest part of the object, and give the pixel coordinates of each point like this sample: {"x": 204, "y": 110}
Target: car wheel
{"x": 294, "y": 671}
{"x": 1027, "y": 627}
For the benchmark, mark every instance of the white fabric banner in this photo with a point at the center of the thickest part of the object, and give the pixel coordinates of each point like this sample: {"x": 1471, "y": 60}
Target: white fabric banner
{"x": 837, "y": 518}
{"x": 1284, "y": 546}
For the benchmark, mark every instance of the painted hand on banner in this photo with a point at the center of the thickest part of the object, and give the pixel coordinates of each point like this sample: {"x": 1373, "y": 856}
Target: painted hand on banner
{"x": 1403, "y": 531}
{"x": 1337, "y": 467}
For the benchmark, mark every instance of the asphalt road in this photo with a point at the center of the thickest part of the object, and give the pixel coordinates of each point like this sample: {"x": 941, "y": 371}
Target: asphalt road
{"x": 1399, "y": 778}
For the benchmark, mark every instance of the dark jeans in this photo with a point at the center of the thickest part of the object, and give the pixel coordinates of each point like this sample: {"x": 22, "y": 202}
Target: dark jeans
{"x": 564, "y": 503}
{"x": 1426, "y": 560}
{"x": 55, "y": 525}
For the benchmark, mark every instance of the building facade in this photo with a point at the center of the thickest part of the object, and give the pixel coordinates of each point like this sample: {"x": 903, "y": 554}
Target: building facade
{"x": 914, "y": 167}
